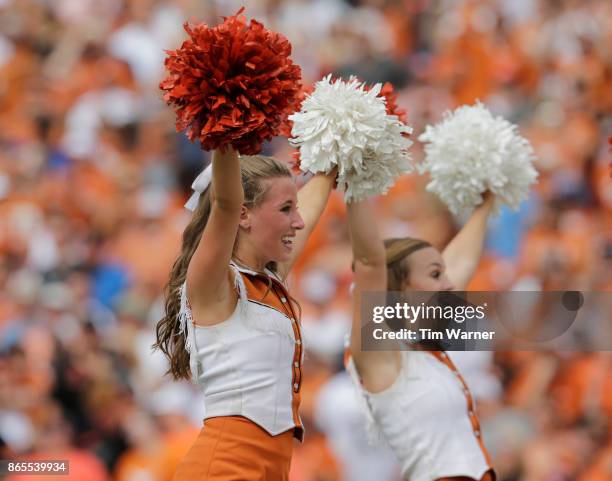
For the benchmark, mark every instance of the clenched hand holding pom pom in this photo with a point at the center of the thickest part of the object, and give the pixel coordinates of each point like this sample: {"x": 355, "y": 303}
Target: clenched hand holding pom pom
{"x": 469, "y": 152}
{"x": 346, "y": 125}
{"x": 233, "y": 84}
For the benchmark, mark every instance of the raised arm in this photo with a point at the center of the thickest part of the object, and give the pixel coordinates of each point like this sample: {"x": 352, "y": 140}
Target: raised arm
{"x": 377, "y": 369}
{"x": 208, "y": 276}
{"x": 462, "y": 254}
{"x": 312, "y": 199}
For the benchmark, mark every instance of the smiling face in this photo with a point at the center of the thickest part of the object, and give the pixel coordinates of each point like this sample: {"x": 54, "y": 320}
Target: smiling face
{"x": 427, "y": 271}
{"x": 269, "y": 228}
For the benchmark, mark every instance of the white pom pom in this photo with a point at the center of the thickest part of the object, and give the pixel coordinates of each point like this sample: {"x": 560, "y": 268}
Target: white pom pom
{"x": 342, "y": 124}
{"x": 469, "y": 152}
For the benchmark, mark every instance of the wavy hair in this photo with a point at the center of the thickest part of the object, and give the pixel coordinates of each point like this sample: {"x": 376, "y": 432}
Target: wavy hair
{"x": 169, "y": 338}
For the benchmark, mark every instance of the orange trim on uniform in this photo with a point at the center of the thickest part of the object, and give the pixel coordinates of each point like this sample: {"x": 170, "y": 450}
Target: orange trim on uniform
{"x": 445, "y": 359}
{"x": 346, "y": 357}
{"x": 272, "y": 293}
{"x": 229, "y": 448}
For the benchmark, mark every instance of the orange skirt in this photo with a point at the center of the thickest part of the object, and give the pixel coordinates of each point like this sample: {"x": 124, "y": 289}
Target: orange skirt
{"x": 232, "y": 448}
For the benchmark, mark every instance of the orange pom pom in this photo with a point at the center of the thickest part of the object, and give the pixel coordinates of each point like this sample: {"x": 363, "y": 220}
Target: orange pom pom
{"x": 391, "y": 98}
{"x": 233, "y": 84}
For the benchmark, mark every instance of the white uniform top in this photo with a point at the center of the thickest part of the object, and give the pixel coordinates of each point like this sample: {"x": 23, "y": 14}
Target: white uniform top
{"x": 427, "y": 418}
{"x": 250, "y": 364}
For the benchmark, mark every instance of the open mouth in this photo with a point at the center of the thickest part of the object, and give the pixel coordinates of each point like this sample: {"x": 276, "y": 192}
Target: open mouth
{"x": 287, "y": 242}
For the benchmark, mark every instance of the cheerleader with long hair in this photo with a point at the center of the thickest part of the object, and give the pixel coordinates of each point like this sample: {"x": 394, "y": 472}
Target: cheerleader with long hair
{"x": 230, "y": 324}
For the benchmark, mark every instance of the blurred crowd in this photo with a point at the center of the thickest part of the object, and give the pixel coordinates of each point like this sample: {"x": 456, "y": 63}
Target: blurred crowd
{"x": 93, "y": 177}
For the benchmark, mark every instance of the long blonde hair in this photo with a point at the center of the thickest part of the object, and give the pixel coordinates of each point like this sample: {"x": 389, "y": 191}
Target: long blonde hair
{"x": 170, "y": 339}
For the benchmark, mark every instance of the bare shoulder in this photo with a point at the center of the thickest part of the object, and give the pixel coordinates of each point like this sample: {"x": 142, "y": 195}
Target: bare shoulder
{"x": 209, "y": 310}
{"x": 379, "y": 370}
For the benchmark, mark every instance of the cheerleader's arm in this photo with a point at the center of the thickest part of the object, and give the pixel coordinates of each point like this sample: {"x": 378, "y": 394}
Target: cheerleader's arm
{"x": 377, "y": 369}
{"x": 208, "y": 275}
{"x": 463, "y": 252}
